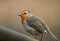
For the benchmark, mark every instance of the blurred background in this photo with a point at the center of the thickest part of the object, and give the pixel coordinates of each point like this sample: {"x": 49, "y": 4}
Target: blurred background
{"x": 48, "y": 10}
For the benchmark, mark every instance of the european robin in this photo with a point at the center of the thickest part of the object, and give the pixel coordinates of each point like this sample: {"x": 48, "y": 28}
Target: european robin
{"x": 35, "y": 25}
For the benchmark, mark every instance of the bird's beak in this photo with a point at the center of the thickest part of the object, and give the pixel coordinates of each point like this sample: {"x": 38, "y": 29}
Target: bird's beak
{"x": 19, "y": 15}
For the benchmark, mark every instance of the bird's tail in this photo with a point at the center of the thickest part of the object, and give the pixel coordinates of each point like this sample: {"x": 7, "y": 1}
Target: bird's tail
{"x": 53, "y": 36}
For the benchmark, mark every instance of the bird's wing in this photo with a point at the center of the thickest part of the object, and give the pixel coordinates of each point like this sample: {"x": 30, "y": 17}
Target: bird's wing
{"x": 36, "y": 23}
{"x": 39, "y": 25}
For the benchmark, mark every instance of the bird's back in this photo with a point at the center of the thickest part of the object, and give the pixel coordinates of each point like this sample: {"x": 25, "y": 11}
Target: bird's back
{"x": 40, "y": 26}
{"x": 35, "y": 23}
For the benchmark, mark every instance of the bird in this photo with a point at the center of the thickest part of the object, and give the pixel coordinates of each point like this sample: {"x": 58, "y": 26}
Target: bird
{"x": 35, "y": 25}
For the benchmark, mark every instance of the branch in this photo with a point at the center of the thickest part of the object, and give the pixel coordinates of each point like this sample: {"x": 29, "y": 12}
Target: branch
{"x": 11, "y": 35}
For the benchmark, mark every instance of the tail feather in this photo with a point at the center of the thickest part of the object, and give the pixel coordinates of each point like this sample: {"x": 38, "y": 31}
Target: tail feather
{"x": 53, "y": 36}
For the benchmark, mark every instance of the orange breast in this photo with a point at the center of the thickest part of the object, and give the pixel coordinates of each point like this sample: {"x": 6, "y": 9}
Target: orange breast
{"x": 24, "y": 17}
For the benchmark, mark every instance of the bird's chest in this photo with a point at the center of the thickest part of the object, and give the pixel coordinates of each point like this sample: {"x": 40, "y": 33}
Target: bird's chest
{"x": 31, "y": 30}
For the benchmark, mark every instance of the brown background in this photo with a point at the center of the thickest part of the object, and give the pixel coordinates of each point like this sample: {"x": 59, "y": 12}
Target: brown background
{"x": 48, "y": 10}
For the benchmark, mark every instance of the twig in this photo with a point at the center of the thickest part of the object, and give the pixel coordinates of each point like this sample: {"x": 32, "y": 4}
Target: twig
{"x": 11, "y": 35}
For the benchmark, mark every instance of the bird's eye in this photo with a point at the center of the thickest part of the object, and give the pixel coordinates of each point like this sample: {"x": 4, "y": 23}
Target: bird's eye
{"x": 24, "y": 13}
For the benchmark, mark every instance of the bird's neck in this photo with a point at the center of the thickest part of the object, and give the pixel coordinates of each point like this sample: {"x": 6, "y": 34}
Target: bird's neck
{"x": 23, "y": 19}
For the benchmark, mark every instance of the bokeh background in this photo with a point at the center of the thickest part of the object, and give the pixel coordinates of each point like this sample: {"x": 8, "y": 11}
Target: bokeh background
{"x": 48, "y": 10}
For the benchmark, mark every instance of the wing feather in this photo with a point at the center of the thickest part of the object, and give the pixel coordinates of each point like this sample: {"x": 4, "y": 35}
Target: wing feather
{"x": 35, "y": 23}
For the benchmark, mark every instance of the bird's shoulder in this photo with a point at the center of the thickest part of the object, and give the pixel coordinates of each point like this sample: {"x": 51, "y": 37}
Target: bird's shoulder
{"x": 35, "y": 23}
{"x": 34, "y": 20}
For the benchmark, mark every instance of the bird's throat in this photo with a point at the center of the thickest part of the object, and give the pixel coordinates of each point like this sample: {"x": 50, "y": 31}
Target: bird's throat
{"x": 23, "y": 19}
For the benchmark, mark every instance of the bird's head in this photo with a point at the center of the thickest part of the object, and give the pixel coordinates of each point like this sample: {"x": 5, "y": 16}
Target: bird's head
{"x": 25, "y": 14}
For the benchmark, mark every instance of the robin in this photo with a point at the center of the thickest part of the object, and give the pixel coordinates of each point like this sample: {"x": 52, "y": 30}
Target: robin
{"x": 35, "y": 25}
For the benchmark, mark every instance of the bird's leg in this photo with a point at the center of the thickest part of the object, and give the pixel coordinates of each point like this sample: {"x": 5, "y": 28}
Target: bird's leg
{"x": 42, "y": 37}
